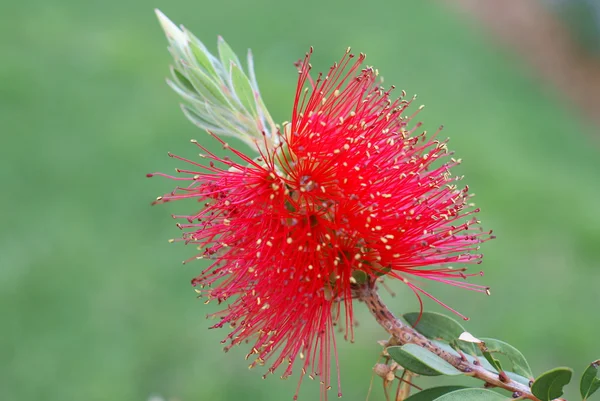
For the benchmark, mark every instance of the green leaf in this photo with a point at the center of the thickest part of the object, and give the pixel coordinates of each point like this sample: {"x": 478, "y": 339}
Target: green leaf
{"x": 202, "y": 59}
{"x": 190, "y": 97}
{"x": 201, "y": 122}
{"x": 199, "y": 53}
{"x": 549, "y": 385}
{"x": 174, "y": 35}
{"x": 472, "y": 394}
{"x": 226, "y": 54}
{"x": 204, "y": 85}
{"x": 519, "y": 363}
{"x": 484, "y": 363}
{"x": 360, "y": 276}
{"x": 437, "y": 326}
{"x": 421, "y": 361}
{"x": 243, "y": 89}
{"x": 488, "y": 356}
{"x": 251, "y": 73}
{"x": 432, "y": 393}
{"x": 181, "y": 79}
{"x": 589, "y": 380}
{"x": 518, "y": 378}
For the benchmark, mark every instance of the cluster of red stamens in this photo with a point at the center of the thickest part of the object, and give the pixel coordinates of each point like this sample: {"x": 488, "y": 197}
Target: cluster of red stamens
{"x": 349, "y": 191}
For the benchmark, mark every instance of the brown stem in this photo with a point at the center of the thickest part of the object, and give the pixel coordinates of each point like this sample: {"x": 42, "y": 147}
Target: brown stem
{"x": 405, "y": 334}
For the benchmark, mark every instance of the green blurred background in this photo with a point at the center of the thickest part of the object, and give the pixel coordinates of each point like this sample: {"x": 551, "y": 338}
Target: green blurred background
{"x": 94, "y": 302}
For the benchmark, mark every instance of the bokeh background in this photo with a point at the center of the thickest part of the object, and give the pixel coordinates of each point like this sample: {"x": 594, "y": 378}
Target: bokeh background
{"x": 94, "y": 303}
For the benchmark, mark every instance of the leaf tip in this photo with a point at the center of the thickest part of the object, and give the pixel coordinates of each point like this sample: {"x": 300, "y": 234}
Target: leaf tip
{"x": 171, "y": 30}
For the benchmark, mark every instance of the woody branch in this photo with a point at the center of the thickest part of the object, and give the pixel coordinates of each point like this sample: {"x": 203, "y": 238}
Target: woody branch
{"x": 405, "y": 334}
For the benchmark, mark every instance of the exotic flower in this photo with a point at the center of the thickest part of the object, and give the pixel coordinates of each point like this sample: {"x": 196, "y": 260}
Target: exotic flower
{"x": 347, "y": 192}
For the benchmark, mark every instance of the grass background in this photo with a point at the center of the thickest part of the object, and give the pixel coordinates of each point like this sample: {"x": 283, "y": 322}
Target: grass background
{"x": 94, "y": 304}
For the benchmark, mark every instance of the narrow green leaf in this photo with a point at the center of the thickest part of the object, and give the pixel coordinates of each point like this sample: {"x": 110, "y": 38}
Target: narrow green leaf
{"x": 181, "y": 79}
{"x": 488, "y": 356}
{"x": 519, "y": 363}
{"x": 419, "y": 360}
{"x": 226, "y": 54}
{"x": 243, "y": 89}
{"x": 590, "y": 382}
{"x": 174, "y": 35}
{"x": 251, "y": 73}
{"x": 437, "y": 326}
{"x": 268, "y": 125}
{"x": 188, "y": 96}
{"x": 204, "y": 85}
{"x": 472, "y": 394}
{"x": 199, "y": 121}
{"x": 549, "y": 385}
{"x": 231, "y": 124}
{"x": 200, "y": 55}
{"x": 432, "y": 393}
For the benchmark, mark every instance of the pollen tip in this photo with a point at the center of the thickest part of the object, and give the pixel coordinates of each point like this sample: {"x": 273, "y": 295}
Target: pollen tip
{"x": 150, "y": 175}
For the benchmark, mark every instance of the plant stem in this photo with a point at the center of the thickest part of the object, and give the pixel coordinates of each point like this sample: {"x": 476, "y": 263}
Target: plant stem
{"x": 405, "y": 334}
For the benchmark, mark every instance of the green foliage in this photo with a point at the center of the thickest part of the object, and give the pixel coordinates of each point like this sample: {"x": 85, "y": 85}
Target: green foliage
{"x": 433, "y": 393}
{"x": 420, "y": 361}
{"x": 472, "y": 394}
{"x": 488, "y": 357}
{"x": 218, "y": 96}
{"x": 243, "y": 89}
{"x": 549, "y": 385}
{"x": 445, "y": 331}
{"x": 438, "y": 326}
{"x": 360, "y": 276}
{"x": 441, "y": 327}
{"x": 483, "y": 362}
{"x": 226, "y": 54}
{"x": 590, "y": 382}
{"x": 519, "y": 363}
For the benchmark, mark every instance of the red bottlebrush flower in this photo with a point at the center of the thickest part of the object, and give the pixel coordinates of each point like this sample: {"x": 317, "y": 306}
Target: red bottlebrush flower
{"x": 350, "y": 190}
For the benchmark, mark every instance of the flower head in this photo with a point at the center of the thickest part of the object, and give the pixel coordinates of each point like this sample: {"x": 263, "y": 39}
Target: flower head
{"x": 348, "y": 191}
